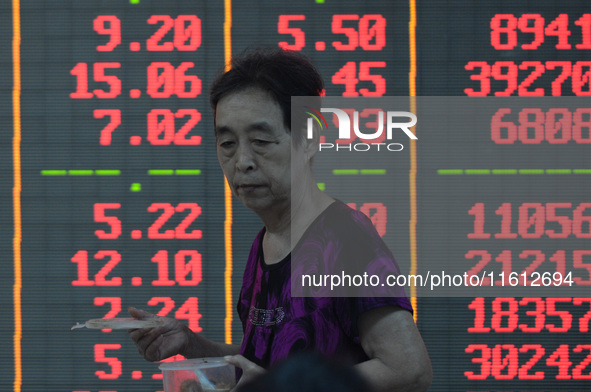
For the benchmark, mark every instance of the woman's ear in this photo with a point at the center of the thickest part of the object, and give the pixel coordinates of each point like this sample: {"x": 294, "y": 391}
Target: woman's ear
{"x": 311, "y": 141}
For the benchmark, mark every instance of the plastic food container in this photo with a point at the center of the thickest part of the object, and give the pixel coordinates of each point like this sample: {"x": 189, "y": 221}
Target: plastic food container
{"x": 198, "y": 375}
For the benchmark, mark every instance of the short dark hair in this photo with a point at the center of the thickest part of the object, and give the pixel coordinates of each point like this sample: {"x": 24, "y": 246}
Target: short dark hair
{"x": 281, "y": 73}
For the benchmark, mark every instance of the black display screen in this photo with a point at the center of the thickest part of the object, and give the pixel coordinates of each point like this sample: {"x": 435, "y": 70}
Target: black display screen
{"x": 112, "y": 195}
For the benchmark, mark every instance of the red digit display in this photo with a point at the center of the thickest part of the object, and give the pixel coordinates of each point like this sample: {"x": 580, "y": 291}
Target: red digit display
{"x": 108, "y": 25}
{"x": 181, "y": 229}
{"x": 160, "y": 127}
{"x": 503, "y": 132}
{"x": 347, "y": 75}
{"x": 122, "y": 196}
{"x": 187, "y": 262}
{"x": 507, "y": 71}
{"x": 584, "y": 365}
{"x": 582, "y": 221}
{"x": 113, "y": 258}
{"x": 531, "y": 220}
{"x": 483, "y": 360}
{"x": 505, "y": 212}
{"x": 350, "y": 32}
{"x": 161, "y": 259}
{"x": 564, "y": 316}
{"x": 537, "y": 69}
{"x": 81, "y": 73}
{"x": 581, "y": 127}
{"x": 483, "y": 258}
{"x": 559, "y": 28}
{"x": 372, "y": 32}
{"x": 560, "y": 359}
{"x": 81, "y": 258}
{"x": 565, "y": 67}
{"x": 187, "y": 32}
{"x": 180, "y": 137}
{"x": 537, "y": 313}
{"x": 504, "y": 364}
{"x": 558, "y": 126}
{"x": 563, "y": 221}
{"x": 190, "y": 311}
{"x": 365, "y": 74}
{"x": 482, "y": 77}
{"x": 113, "y": 222}
{"x": 503, "y": 34}
{"x": 112, "y": 362}
{"x": 153, "y": 43}
{"x": 154, "y": 230}
{"x": 160, "y": 80}
{"x": 585, "y": 23}
{"x": 536, "y": 28}
{"x": 480, "y": 316}
{"x": 505, "y": 316}
{"x": 186, "y": 85}
{"x": 583, "y": 321}
{"x": 167, "y": 305}
{"x": 115, "y": 120}
{"x": 115, "y": 303}
{"x": 539, "y": 352}
{"x": 298, "y": 34}
{"x": 113, "y": 81}
{"x": 531, "y": 126}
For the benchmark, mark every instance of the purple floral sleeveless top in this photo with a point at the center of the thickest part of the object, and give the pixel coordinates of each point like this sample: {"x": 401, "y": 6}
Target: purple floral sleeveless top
{"x": 276, "y": 325}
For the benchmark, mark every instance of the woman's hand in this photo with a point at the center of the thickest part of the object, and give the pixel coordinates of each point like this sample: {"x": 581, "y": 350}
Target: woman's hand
{"x": 156, "y": 344}
{"x": 250, "y": 370}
